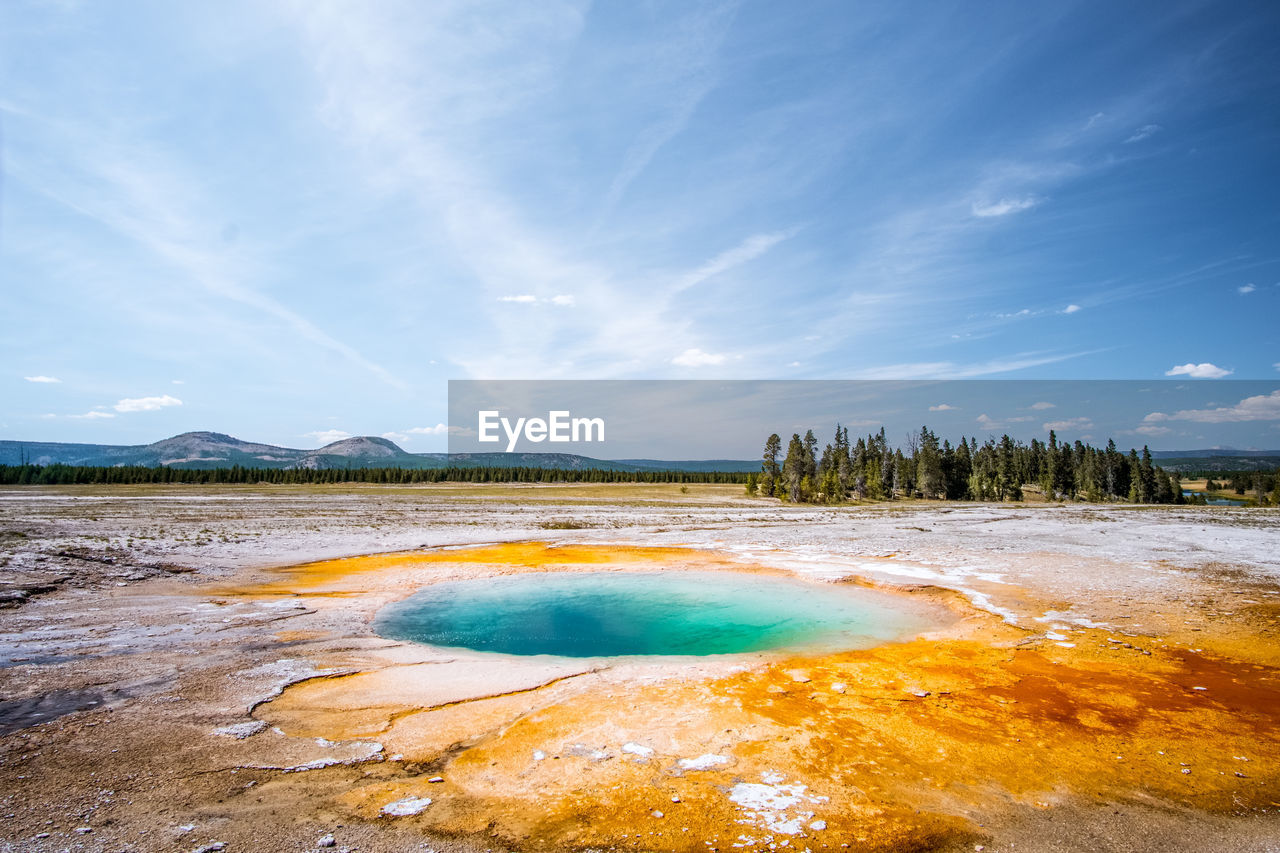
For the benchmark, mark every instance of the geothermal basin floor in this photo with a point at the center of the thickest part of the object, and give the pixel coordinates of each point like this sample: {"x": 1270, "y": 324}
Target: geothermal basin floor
{"x": 194, "y": 667}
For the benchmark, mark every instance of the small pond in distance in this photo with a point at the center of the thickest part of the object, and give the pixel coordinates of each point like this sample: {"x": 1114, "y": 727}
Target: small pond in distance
{"x": 605, "y": 614}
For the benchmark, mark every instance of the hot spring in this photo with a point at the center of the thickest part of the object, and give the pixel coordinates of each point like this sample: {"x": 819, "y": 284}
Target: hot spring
{"x": 606, "y": 614}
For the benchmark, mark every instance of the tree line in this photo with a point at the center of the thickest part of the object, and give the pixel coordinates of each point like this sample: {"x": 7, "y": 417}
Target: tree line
{"x": 996, "y": 470}
{"x": 88, "y": 475}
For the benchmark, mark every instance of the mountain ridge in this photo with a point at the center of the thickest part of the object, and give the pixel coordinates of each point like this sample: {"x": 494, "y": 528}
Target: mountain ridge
{"x": 208, "y": 449}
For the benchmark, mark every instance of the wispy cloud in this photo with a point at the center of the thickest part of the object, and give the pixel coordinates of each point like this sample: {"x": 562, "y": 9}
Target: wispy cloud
{"x": 1204, "y": 370}
{"x": 987, "y": 422}
{"x": 1068, "y": 424}
{"x": 746, "y": 251}
{"x": 146, "y": 404}
{"x": 1071, "y": 309}
{"x": 943, "y": 407}
{"x": 1041, "y": 406}
{"x": 952, "y": 370}
{"x": 42, "y": 379}
{"x": 93, "y": 415}
{"x": 1246, "y": 288}
{"x": 143, "y": 193}
{"x": 563, "y": 300}
{"x": 686, "y": 77}
{"x": 1263, "y": 407}
{"x": 1004, "y": 206}
{"x": 1144, "y": 132}
{"x": 697, "y": 358}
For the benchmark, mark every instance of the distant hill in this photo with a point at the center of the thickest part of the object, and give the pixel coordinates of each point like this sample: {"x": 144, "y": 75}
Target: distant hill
{"x": 218, "y": 450}
{"x": 743, "y": 465}
{"x": 1217, "y": 459}
{"x": 1210, "y": 452}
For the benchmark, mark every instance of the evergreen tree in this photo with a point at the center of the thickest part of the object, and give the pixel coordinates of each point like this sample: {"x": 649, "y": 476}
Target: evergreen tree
{"x": 810, "y": 456}
{"x": 793, "y": 468}
{"x": 772, "y": 447}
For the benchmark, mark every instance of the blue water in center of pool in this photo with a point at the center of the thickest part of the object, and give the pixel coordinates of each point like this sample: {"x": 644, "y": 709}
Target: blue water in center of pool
{"x": 604, "y": 614}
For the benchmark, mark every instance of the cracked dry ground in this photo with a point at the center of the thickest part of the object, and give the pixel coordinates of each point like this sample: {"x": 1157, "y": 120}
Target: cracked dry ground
{"x": 260, "y": 712}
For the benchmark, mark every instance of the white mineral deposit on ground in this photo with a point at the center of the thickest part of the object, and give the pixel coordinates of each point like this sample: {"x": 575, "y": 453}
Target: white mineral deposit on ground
{"x": 182, "y": 670}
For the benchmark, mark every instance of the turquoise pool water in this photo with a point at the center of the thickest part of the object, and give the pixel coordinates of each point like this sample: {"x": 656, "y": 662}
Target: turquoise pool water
{"x": 605, "y": 614}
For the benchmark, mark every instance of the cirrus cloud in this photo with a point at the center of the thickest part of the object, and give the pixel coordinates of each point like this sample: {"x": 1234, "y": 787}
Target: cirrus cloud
{"x": 1144, "y": 132}
{"x": 42, "y": 379}
{"x": 1003, "y": 207}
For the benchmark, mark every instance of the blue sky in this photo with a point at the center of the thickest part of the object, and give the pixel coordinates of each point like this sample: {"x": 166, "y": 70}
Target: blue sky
{"x": 294, "y": 221}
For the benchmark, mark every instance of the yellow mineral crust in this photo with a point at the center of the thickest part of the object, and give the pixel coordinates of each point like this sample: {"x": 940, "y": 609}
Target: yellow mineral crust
{"x": 906, "y": 746}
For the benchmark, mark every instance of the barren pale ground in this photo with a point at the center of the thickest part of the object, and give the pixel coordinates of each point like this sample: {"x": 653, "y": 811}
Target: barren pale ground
{"x": 190, "y": 667}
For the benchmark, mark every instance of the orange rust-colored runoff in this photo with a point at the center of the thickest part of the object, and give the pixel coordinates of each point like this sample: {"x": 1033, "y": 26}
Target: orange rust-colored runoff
{"x": 908, "y": 745}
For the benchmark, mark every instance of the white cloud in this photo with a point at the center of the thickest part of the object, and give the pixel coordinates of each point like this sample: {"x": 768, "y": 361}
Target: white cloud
{"x": 564, "y": 300}
{"x": 1204, "y": 370}
{"x": 397, "y": 437}
{"x": 951, "y": 370}
{"x": 943, "y": 407}
{"x": 42, "y": 379}
{"x": 686, "y": 76}
{"x": 697, "y": 358}
{"x": 143, "y": 194}
{"x": 1073, "y": 424}
{"x": 1264, "y": 407}
{"x": 1004, "y": 206}
{"x": 1144, "y": 132}
{"x": 987, "y": 422}
{"x": 1246, "y": 288}
{"x": 146, "y": 404}
{"x": 327, "y": 436}
{"x": 1071, "y": 309}
{"x": 438, "y": 429}
{"x": 746, "y": 251}
{"x": 93, "y": 415}
{"x": 179, "y": 382}
{"x": 1276, "y": 365}
{"x": 1152, "y": 430}
{"x": 1041, "y": 406}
